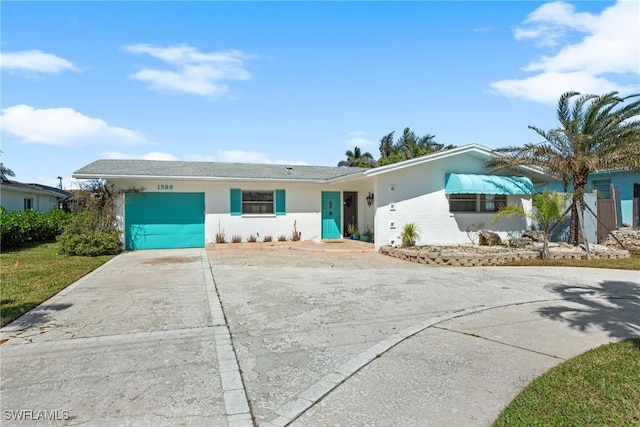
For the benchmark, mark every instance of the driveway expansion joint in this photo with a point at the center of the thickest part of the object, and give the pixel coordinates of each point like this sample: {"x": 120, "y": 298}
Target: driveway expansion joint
{"x": 304, "y": 401}
{"x": 236, "y": 403}
{"x": 499, "y": 342}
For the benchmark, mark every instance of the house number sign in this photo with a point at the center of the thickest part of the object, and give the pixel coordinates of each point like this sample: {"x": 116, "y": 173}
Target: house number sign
{"x": 165, "y": 187}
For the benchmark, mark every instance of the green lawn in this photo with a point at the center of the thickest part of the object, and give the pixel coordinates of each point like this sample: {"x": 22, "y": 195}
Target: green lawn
{"x": 598, "y": 388}
{"x": 632, "y": 263}
{"x": 31, "y": 275}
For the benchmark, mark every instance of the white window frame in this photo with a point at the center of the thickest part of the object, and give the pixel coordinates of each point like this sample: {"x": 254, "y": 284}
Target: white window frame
{"x": 28, "y": 203}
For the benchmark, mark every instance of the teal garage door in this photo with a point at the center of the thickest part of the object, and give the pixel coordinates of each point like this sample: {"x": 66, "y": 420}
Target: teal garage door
{"x": 164, "y": 220}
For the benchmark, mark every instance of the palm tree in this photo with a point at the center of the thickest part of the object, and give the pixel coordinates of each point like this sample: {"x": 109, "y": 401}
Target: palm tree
{"x": 386, "y": 146}
{"x": 408, "y": 146}
{"x": 5, "y": 172}
{"x": 595, "y": 133}
{"x": 357, "y": 158}
{"x": 547, "y": 210}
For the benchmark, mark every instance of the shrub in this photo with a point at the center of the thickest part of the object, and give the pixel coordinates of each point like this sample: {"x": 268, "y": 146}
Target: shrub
{"x": 252, "y": 239}
{"x": 282, "y": 238}
{"x": 90, "y": 243}
{"x": 410, "y": 234}
{"x": 267, "y": 238}
{"x": 30, "y": 226}
{"x": 90, "y": 234}
{"x": 221, "y": 238}
{"x": 236, "y": 238}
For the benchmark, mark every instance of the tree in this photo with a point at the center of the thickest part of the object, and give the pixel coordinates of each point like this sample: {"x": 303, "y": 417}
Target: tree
{"x": 5, "y": 172}
{"x": 547, "y": 210}
{"x": 595, "y": 133}
{"x": 408, "y": 146}
{"x": 358, "y": 159}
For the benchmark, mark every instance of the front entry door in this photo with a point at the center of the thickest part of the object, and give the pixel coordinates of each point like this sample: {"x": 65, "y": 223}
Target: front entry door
{"x": 331, "y": 215}
{"x": 350, "y": 202}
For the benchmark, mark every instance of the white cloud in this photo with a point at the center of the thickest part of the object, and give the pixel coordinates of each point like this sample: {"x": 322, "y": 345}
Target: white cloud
{"x": 610, "y": 47}
{"x": 35, "y": 62}
{"x": 482, "y": 29}
{"x": 154, "y": 155}
{"x": 360, "y": 142}
{"x": 191, "y": 71}
{"x": 359, "y": 138}
{"x": 226, "y": 156}
{"x": 547, "y": 87}
{"x": 63, "y": 127}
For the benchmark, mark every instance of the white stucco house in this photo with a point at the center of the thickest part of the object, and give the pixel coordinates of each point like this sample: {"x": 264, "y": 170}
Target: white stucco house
{"x": 19, "y": 196}
{"x": 185, "y": 204}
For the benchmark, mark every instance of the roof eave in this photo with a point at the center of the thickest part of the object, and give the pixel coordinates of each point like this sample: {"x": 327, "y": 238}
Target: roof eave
{"x": 208, "y": 178}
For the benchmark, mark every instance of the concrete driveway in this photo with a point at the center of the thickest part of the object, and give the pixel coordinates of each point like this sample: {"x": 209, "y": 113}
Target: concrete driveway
{"x": 322, "y": 336}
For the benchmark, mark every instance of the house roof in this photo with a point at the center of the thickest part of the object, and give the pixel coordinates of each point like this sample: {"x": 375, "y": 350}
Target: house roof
{"x": 113, "y": 168}
{"x": 34, "y": 188}
{"x": 474, "y": 150}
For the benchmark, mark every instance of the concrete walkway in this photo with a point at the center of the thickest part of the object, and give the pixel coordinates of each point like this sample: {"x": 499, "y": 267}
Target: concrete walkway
{"x": 322, "y": 337}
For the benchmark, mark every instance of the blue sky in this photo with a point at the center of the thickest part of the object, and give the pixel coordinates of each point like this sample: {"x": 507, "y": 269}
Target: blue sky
{"x": 293, "y": 82}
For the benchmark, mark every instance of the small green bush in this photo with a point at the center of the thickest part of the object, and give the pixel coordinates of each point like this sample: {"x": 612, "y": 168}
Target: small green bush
{"x": 90, "y": 243}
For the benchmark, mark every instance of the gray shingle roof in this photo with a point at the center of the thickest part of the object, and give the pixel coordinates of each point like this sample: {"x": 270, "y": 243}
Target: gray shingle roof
{"x": 107, "y": 168}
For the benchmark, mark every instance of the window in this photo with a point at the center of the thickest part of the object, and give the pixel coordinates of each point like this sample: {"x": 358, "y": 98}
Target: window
{"x": 257, "y": 202}
{"x": 462, "y": 202}
{"x": 476, "y": 202}
{"x": 252, "y": 202}
{"x": 492, "y": 202}
{"x": 28, "y": 204}
{"x": 603, "y": 188}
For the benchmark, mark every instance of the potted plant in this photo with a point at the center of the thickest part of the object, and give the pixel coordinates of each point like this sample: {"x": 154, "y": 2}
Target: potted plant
{"x": 352, "y": 229}
{"x": 367, "y": 235}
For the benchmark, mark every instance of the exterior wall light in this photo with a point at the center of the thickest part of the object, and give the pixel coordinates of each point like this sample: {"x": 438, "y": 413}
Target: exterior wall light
{"x": 369, "y": 199}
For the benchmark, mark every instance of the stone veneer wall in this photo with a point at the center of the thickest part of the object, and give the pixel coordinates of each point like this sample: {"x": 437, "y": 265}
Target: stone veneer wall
{"x": 448, "y": 256}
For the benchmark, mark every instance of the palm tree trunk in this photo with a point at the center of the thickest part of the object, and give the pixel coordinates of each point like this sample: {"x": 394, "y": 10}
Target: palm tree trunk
{"x": 575, "y": 231}
{"x": 545, "y": 246}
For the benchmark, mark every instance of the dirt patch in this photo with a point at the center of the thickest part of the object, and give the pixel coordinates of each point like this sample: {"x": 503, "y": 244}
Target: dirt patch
{"x": 171, "y": 260}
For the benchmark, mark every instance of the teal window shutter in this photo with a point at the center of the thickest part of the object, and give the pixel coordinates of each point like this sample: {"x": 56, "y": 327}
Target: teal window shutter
{"x": 281, "y": 205}
{"x": 236, "y": 201}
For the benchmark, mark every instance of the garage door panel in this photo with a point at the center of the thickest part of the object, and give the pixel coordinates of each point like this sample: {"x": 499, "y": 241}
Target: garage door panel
{"x": 164, "y": 220}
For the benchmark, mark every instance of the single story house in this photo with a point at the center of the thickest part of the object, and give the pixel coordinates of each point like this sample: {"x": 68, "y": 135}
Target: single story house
{"x": 18, "y": 196}
{"x": 185, "y": 204}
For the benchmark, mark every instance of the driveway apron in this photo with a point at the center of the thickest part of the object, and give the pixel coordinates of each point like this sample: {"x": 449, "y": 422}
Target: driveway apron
{"x": 361, "y": 339}
{"x": 133, "y": 343}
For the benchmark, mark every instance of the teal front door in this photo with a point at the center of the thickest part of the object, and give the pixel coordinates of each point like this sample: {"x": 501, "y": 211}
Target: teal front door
{"x": 164, "y": 220}
{"x": 331, "y": 215}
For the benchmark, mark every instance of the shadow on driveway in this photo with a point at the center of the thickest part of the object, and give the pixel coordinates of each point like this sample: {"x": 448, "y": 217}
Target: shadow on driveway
{"x": 618, "y": 314}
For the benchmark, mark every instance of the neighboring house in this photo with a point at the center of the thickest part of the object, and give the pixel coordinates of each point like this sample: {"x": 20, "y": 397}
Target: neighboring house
{"x": 18, "y": 196}
{"x": 618, "y": 199}
{"x": 185, "y": 204}
{"x": 626, "y": 186}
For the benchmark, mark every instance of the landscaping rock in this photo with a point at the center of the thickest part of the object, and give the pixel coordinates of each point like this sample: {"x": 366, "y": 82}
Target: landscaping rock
{"x": 489, "y": 238}
{"x": 629, "y": 237}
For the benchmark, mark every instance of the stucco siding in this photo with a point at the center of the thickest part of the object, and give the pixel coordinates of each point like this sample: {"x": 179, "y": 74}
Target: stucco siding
{"x": 303, "y": 206}
{"x": 13, "y": 200}
{"x": 417, "y": 195}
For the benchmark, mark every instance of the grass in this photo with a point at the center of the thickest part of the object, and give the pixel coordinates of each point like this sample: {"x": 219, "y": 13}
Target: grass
{"x": 598, "y": 388}
{"x": 632, "y": 263}
{"x": 33, "y": 274}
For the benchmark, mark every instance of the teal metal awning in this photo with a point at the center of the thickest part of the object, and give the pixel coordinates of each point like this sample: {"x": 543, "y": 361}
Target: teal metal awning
{"x": 458, "y": 183}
